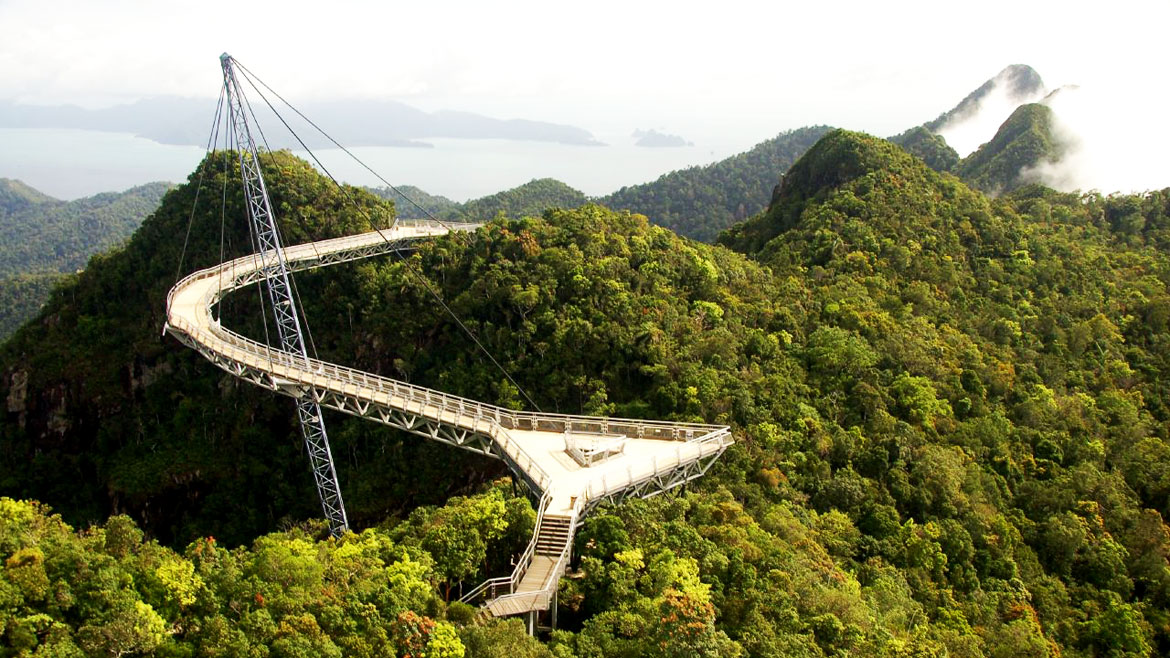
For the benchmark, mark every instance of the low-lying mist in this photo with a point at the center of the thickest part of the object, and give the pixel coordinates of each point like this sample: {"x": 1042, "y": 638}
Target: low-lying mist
{"x": 1109, "y": 146}
{"x": 975, "y": 125}
{"x": 1110, "y": 143}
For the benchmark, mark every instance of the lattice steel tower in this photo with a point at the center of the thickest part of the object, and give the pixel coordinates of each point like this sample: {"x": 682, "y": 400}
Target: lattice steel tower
{"x": 284, "y": 309}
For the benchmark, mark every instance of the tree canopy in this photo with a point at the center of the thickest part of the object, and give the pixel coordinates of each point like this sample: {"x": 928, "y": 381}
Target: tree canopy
{"x": 950, "y": 413}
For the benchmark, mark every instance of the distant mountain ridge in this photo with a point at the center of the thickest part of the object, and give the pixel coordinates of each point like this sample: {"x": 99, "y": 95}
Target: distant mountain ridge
{"x": 411, "y": 202}
{"x": 185, "y": 121}
{"x": 42, "y": 239}
{"x": 699, "y": 202}
{"x": 1023, "y": 142}
{"x": 528, "y": 200}
{"x": 1018, "y": 82}
{"x": 16, "y": 196}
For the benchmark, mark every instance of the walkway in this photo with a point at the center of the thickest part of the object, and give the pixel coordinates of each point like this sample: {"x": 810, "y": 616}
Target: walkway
{"x": 643, "y": 457}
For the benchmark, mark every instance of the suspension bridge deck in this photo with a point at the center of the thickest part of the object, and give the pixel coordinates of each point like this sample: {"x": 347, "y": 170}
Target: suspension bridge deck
{"x": 637, "y": 457}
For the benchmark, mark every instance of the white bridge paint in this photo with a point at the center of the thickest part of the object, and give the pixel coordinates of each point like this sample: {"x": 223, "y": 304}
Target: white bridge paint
{"x": 657, "y": 455}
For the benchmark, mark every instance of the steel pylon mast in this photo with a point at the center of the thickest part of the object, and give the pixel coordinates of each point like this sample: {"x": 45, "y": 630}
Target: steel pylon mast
{"x": 284, "y": 308}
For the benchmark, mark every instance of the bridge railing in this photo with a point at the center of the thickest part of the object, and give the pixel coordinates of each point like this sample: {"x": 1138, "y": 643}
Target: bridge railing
{"x": 468, "y": 413}
{"x": 695, "y": 440}
{"x": 241, "y": 266}
{"x": 296, "y": 370}
{"x": 642, "y": 471}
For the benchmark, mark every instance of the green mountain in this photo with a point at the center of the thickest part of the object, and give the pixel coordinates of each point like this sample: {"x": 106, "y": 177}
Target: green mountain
{"x": 43, "y": 239}
{"x": 932, "y": 148}
{"x": 40, "y": 233}
{"x": 531, "y": 198}
{"x": 141, "y": 424}
{"x": 15, "y": 196}
{"x": 1024, "y": 141}
{"x": 835, "y": 159}
{"x": 1018, "y": 82}
{"x": 699, "y": 202}
{"x": 990, "y": 345}
{"x": 411, "y": 202}
{"x": 951, "y": 417}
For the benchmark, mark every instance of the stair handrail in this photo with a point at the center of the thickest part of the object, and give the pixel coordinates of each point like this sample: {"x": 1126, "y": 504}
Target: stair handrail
{"x": 543, "y": 595}
{"x": 522, "y": 563}
{"x": 553, "y": 580}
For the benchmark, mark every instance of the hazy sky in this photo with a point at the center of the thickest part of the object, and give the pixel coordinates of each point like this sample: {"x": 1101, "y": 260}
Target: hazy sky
{"x": 739, "y": 70}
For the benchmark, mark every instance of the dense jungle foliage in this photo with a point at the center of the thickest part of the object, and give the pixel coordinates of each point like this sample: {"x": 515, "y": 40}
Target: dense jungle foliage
{"x": 1023, "y": 142}
{"x": 950, "y": 412}
{"x": 42, "y": 239}
{"x": 530, "y": 199}
{"x": 699, "y": 202}
{"x": 932, "y": 148}
{"x": 415, "y": 203}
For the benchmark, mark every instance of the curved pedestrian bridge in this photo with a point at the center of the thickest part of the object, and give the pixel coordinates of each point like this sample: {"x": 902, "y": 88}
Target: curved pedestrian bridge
{"x": 572, "y": 462}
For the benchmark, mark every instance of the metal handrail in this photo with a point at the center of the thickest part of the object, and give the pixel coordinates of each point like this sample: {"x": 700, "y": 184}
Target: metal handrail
{"x": 552, "y": 580}
{"x": 470, "y": 414}
{"x": 522, "y": 564}
{"x": 539, "y": 421}
{"x": 695, "y": 440}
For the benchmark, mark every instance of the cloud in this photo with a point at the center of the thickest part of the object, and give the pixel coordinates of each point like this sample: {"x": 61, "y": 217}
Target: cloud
{"x": 974, "y": 125}
{"x": 1114, "y": 142}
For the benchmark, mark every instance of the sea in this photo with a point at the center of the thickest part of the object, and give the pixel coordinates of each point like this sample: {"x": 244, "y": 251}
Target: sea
{"x": 68, "y": 164}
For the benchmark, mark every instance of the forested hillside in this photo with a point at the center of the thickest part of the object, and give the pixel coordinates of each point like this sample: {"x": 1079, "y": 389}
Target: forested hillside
{"x": 950, "y": 413}
{"x": 1025, "y": 141}
{"x": 991, "y": 412}
{"x": 42, "y": 238}
{"x": 143, "y": 426}
{"x": 531, "y": 198}
{"x": 699, "y": 202}
{"x": 411, "y": 202}
{"x": 16, "y": 196}
{"x": 932, "y": 148}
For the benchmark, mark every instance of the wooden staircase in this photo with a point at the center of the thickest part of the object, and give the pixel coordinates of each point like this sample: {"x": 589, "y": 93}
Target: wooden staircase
{"x": 538, "y": 585}
{"x": 553, "y": 535}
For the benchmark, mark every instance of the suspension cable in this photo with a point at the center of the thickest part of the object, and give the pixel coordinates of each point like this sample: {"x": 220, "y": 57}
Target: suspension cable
{"x": 304, "y": 320}
{"x": 223, "y": 223}
{"x": 211, "y": 139}
{"x": 248, "y": 75}
{"x": 345, "y": 150}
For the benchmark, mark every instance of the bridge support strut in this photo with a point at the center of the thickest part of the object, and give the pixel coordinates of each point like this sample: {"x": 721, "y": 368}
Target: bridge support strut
{"x": 275, "y": 273}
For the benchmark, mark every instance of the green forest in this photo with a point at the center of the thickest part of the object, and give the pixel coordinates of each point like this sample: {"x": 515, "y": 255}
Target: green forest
{"x": 43, "y": 239}
{"x": 950, "y": 413}
{"x": 697, "y": 202}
